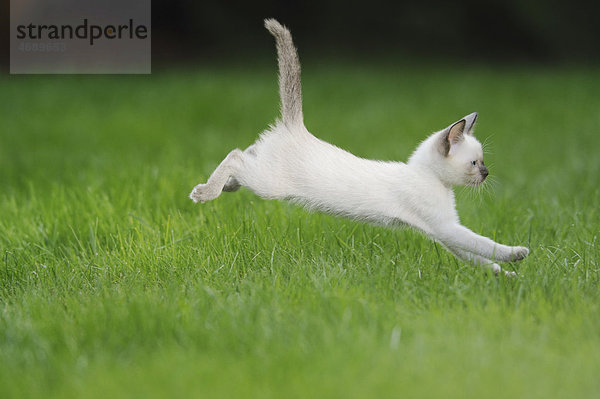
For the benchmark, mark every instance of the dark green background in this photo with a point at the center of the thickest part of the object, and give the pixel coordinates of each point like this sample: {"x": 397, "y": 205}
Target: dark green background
{"x": 551, "y": 31}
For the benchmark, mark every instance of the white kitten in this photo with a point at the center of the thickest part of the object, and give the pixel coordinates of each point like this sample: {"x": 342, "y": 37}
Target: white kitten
{"x": 287, "y": 162}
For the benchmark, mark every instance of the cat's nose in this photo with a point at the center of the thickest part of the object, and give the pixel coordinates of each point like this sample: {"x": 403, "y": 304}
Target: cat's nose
{"x": 484, "y": 172}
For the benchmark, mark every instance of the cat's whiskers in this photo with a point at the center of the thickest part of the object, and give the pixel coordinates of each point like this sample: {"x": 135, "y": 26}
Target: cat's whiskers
{"x": 487, "y": 144}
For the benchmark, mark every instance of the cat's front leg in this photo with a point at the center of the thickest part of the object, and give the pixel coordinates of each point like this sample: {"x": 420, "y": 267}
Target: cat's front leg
{"x": 480, "y": 261}
{"x": 454, "y": 235}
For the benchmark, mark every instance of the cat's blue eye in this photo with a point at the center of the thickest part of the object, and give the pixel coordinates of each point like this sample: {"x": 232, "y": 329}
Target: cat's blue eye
{"x": 474, "y": 163}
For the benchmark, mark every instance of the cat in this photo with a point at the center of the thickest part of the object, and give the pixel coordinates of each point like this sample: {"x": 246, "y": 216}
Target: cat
{"x": 287, "y": 162}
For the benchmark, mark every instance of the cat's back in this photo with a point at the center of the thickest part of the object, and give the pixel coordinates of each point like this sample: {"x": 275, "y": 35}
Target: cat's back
{"x": 301, "y": 157}
{"x": 297, "y": 166}
{"x": 298, "y": 163}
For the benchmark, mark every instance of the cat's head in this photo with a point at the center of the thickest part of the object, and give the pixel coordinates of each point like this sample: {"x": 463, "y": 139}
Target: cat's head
{"x": 454, "y": 154}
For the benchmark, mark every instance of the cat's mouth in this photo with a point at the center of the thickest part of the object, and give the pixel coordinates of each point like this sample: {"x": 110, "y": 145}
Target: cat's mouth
{"x": 478, "y": 182}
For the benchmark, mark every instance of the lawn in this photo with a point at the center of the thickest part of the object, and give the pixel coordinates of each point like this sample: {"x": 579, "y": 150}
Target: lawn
{"x": 114, "y": 284}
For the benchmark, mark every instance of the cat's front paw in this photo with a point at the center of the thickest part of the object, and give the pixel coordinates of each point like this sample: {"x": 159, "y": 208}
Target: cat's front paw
{"x": 519, "y": 253}
{"x": 495, "y": 268}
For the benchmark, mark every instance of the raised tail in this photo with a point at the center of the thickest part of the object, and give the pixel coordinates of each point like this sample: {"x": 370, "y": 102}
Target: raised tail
{"x": 290, "y": 89}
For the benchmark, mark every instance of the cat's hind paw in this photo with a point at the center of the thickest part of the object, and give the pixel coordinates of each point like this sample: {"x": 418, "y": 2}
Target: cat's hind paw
{"x": 201, "y": 193}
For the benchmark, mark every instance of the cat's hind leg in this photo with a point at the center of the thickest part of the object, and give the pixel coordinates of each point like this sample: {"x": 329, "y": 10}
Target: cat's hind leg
{"x": 231, "y": 185}
{"x": 223, "y": 178}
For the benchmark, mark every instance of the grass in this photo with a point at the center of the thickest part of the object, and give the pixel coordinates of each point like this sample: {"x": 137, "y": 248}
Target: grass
{"x": 114, "y": 284}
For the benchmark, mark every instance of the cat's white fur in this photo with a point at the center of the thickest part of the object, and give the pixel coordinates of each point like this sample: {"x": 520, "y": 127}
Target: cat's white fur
{"x": 288, "y": 162}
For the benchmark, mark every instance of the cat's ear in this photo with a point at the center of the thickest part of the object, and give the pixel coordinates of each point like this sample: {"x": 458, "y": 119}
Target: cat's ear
{"x": 470, "y": 122}
{"x": 451, "y": 135}
{"x": 464, "y": 126}
{"x": 454, "y": 133}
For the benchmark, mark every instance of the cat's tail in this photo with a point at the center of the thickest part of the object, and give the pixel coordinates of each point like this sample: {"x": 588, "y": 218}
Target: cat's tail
{"x": 290, "y": 89}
